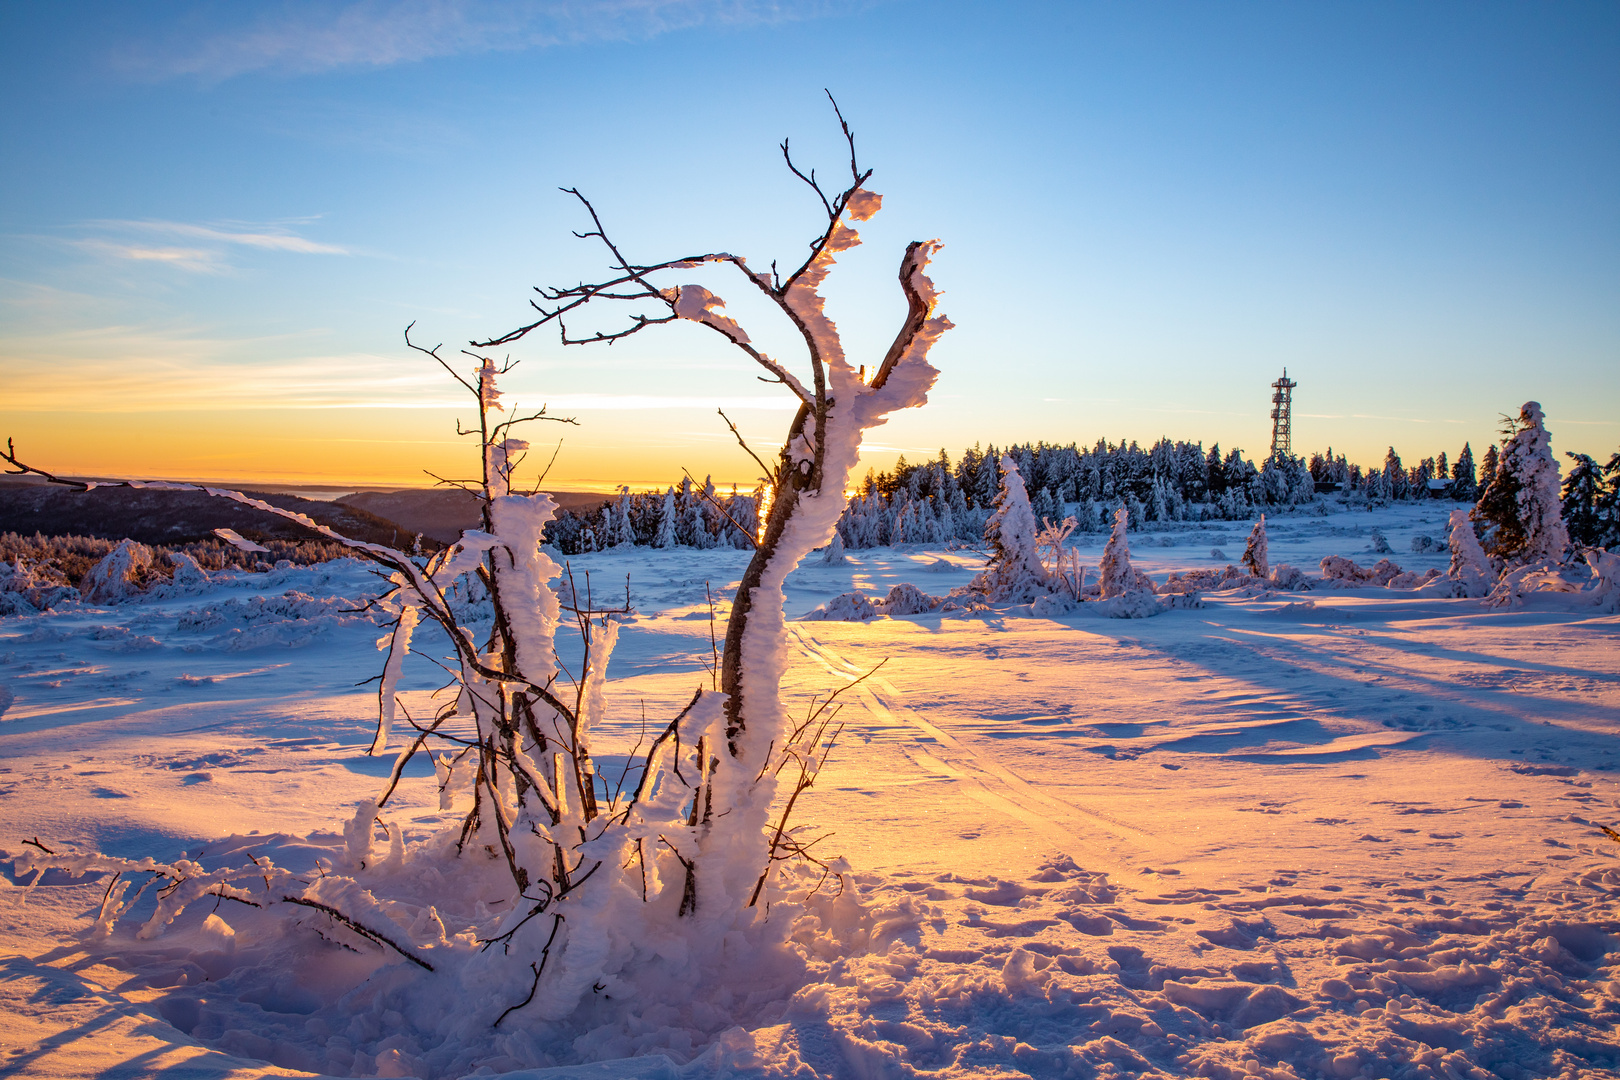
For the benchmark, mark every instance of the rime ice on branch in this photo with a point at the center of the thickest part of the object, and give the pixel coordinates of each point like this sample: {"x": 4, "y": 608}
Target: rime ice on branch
{"x": 660, "y": 879}
{"x": 838, "y": 403}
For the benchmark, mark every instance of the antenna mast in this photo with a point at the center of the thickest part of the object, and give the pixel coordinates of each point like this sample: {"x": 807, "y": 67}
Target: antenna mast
{"x": 1282, "y": 403}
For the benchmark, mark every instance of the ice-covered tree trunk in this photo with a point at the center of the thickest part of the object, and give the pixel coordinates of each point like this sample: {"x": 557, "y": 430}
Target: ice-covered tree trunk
{"x": 838, "y": 402}
{"x": 815, "y": 468}
{"x": 1255, "y": 557}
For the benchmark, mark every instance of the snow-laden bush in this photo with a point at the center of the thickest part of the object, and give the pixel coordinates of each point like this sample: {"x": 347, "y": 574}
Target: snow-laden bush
{"x": 1197, "y": 581}
{"x": 1291, "y": 578}
{"x": 906, "y": 599}
{"x": 188, "y": 572}
{"x": 1605, "y": 567}
{"x": 1053, "y": 606}
{"x": 1470, "y": 568}
{"x": 845, "y": 607}
{"x": 27, "y": 588}
{"x": 120, "y": 576}
{"x": 1337, "y": 568}
{"x": 1411, "y": 579}
{"x": 1597, "y": 585}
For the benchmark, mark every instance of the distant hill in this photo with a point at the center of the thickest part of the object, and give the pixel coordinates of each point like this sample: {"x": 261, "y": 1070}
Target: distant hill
{"x": 443, "y": 513}
{"x": 178, "y": 517}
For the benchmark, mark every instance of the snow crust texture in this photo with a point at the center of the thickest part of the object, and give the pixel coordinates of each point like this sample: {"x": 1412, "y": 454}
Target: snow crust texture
{"x": 1318, "y": 827}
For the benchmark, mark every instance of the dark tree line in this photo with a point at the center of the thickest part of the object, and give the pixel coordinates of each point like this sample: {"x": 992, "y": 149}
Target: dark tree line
{"x": 941, "y": 500}
{"x": 1591, "y": 501}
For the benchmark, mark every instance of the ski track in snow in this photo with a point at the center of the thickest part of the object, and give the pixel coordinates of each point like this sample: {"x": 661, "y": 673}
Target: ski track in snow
{"x": 1333, "y": 834}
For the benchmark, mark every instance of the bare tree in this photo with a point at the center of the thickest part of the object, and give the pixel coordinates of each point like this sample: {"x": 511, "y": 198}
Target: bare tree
{"x": 686, "y": 835}
{"x": 838, "y": 402}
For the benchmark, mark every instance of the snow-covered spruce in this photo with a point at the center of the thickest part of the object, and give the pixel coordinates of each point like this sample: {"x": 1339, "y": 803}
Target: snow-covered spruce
{"x": 1014, "y": 574}
{"x": 1126, "y": 593}
{"x": 1255, "y": 559}
{"x": 1521, "y": 503}
{"x": 833, "y": 554}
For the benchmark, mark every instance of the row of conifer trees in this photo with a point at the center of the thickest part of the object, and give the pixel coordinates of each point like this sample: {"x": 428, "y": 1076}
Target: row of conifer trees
{"x": 940, "y": 501}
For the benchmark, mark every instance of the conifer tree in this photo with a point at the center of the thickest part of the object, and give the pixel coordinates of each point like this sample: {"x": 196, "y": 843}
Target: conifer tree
{"x": 1578, "y": 506}
{"x": 1470, "y": 569}
{"x": 1395, "y": 486}
{"x": 1214, "y": 473}
{"x": 1488, "y": 466}
{"x": 1255, "y": 557}
{"x": 1015, "y": 573}
{"x": 1608, "y": 505}
{"x": 1521, "y": 502}
{"x": 1463, "y": 487}
{"x": 1117, "y": 576}
{"x": 987, "y": 482}
{"x": 665, "y": 537}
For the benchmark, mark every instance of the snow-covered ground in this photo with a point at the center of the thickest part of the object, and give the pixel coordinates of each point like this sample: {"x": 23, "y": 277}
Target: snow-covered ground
{"x": 1339, "y": 833}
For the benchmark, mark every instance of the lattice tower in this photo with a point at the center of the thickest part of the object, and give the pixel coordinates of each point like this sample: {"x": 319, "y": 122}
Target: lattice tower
{"x": 1282, "y": 403}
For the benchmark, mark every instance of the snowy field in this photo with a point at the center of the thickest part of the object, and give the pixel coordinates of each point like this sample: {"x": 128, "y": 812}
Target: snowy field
{"x": 1336, "y": 833}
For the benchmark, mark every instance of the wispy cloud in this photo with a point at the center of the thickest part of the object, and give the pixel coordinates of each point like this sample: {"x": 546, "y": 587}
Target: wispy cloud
{"x": 562, "y": 403}
{"x": 193, "y": 260}
{"x": 134, "y": 368}
{"x": 302, "y": 38}
{"x": 268, "y": 237}
{"x": 198, "y": 249}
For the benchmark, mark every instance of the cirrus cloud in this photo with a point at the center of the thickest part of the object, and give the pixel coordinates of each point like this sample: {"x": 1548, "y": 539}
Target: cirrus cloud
{"x": 198, "y": 249}
{"x": 307, "y": 38}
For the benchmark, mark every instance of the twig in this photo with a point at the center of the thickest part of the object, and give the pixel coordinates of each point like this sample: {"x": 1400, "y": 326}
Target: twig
{"x": 712, "y": 501}
{"x": 381, "y": 939}
{"x": 765, "y": 472}
{"x": 545, "y": 954}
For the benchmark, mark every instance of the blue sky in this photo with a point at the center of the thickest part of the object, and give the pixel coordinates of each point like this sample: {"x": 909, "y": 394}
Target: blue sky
{"x": 217, "y": 219}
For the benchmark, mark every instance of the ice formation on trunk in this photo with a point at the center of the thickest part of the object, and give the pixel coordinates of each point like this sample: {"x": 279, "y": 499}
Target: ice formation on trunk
{"x": 1255, "y": 559}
